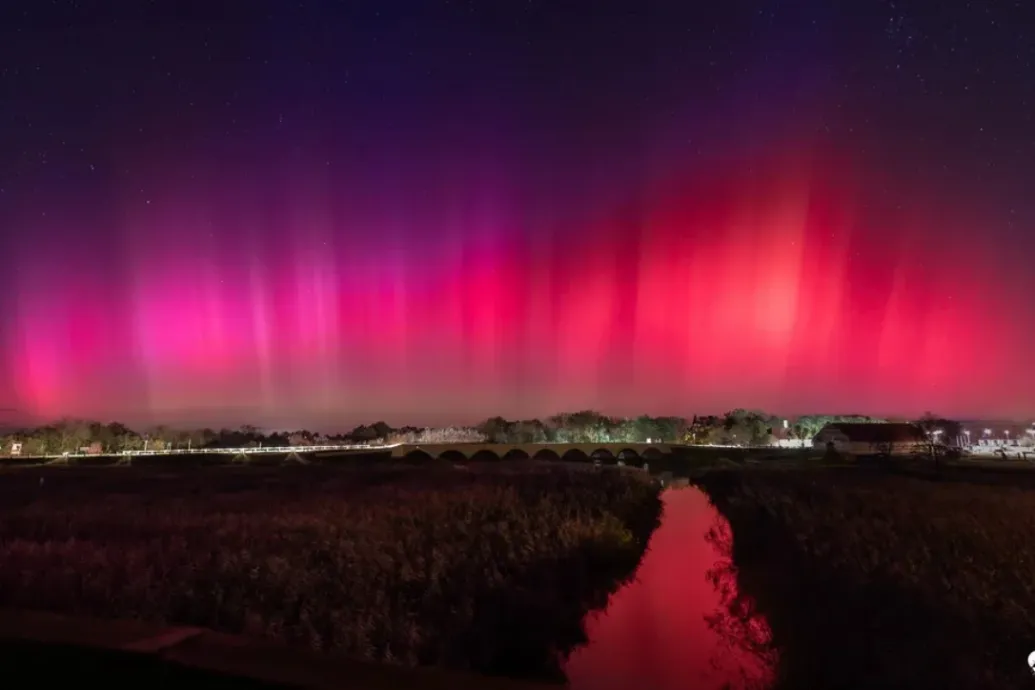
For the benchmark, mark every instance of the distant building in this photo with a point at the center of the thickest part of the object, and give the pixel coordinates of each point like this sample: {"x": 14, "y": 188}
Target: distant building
{"x": 871, "y": 438}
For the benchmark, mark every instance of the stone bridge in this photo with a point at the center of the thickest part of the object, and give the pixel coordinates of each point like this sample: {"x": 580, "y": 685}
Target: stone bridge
{"x": 636, "y": 453}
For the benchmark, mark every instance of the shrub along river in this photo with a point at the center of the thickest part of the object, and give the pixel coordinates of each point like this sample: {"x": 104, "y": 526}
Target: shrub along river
{"x": 681, "y": 622}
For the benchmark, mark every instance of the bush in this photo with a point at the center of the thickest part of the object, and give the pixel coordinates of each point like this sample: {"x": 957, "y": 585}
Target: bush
{"x": 450, "y": 434}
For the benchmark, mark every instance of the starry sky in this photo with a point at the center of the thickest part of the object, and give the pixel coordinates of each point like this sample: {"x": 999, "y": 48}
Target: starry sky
{"x": 325, "y": 213}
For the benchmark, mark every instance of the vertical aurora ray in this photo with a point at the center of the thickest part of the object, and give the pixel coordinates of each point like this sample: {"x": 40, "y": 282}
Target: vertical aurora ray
{"x": 782, "y": 284}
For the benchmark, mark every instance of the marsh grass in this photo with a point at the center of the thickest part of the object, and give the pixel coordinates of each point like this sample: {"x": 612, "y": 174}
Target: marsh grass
{"x": 490, "y": 571}
{"x": 872, "y": 580}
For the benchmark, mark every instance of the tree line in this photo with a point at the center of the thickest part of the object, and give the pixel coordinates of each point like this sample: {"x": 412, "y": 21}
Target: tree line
{"x": 736, "y": 428}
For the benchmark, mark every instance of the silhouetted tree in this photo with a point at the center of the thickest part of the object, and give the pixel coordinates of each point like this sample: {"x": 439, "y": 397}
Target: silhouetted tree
{"x": 496, "y": 430}
{"x": 940, "y": 429}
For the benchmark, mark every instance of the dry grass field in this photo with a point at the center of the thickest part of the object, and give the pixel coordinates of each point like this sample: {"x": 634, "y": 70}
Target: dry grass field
{"x": 488, "y": 570}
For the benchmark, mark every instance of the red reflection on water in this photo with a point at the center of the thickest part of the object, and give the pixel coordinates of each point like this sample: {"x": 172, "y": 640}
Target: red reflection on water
{"x": 680, "y": 624}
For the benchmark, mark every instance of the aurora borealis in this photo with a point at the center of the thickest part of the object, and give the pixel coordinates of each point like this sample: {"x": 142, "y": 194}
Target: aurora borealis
{"x": 307, "y": 255}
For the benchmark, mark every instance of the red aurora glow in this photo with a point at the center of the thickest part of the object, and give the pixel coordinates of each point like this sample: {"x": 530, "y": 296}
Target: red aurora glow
{"x": 772, "y": 285}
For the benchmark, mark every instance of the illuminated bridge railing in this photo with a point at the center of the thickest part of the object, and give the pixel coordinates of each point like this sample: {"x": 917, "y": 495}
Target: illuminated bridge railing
{"x": 272, "y": 450}
{"x": 256, "y": 449}
{"x": 400, "y": 448}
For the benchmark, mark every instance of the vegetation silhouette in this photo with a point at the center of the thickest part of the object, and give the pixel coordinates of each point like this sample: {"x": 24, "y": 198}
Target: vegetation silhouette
{"x": 491, "y": 571}
{"x": 749, "y": 654}
{"x": 871, "y": 579}
{"x": 737, "y": 427}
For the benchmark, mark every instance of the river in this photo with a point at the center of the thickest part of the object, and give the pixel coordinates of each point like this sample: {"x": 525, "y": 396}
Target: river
{"x": 681, "y": 622}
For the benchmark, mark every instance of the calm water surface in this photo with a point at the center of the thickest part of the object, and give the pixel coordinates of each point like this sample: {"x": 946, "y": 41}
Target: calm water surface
{"x": 681, "y": 623}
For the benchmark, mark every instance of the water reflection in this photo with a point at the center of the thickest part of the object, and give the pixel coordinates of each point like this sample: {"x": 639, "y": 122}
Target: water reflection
{"x": 681, "y": 623}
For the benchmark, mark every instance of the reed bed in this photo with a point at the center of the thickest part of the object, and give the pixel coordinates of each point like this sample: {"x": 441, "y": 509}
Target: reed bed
{"x": 491, "y": 571}
{"x": 871, "y": 579}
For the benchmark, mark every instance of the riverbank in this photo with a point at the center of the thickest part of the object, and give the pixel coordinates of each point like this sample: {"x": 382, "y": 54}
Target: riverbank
{"x": 868, "y": 579}
{"x": 490, "y": 571}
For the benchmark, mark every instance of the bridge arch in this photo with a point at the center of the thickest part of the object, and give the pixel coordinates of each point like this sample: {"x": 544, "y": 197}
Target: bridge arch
{"x": 516, "y": 454}
{"x": 485, "y": 455}
{"x": 575, "y": 455}
{"x": 652, "y": 454}
{"x": 454, "y": 456}
{"x": 418, "y": 457}
{"x": 546, "y": 455}
{"x": 627, "y": 454}
{"x": 603, "y": 455}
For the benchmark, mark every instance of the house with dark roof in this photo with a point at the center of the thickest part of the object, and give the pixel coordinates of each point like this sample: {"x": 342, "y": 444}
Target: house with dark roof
{"x": 871, "y": 438}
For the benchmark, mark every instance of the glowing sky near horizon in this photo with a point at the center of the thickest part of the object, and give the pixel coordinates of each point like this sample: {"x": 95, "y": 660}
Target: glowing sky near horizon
{"x": 427, "y": 271}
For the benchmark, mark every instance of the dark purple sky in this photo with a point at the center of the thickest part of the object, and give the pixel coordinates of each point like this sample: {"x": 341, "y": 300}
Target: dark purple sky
{"x": 306, "y": 213}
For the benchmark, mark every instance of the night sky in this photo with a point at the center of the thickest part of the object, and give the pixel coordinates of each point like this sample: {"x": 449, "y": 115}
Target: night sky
{"x": 324, "y": 213}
